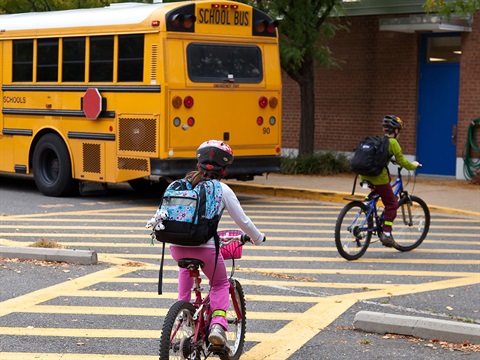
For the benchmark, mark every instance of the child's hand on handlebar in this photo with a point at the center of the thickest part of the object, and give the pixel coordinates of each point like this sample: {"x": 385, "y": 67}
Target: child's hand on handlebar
{"x": 416, "y": 163}
{"x": 245, "y": 238}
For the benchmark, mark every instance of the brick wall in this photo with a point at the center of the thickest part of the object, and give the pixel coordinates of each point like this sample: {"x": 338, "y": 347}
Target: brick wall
{"x": 469, "y": 97}
{"x": 377, "y": 76}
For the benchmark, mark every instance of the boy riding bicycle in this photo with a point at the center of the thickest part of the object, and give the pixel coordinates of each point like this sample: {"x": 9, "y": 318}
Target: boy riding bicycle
{"x": 213, "y": 157}
{"x": 392, "y": 125}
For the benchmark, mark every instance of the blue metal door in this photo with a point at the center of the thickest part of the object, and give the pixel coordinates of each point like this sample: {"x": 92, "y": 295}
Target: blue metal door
{"x": 438, "y": 103}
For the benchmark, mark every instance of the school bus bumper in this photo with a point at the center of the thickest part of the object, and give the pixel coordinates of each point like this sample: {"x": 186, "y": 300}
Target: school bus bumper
{"x": 243, "y": 168}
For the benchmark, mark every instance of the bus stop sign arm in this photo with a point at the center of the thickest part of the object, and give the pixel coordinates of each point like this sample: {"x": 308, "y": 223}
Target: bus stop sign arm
{"x": 92, "y": 103}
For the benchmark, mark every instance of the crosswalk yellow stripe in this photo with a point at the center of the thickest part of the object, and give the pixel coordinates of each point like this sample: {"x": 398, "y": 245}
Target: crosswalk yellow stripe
{"x": 136, "y": 311}
{"x": 102, "y": 333}
{"x": 318, "y": 259}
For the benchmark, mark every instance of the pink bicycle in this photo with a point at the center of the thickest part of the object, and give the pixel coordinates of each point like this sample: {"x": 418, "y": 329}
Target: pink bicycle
{"x": 186, "y": 325}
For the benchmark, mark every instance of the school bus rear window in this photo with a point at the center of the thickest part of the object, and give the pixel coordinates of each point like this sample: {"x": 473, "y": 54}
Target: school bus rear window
{"x": 224, "y": 63}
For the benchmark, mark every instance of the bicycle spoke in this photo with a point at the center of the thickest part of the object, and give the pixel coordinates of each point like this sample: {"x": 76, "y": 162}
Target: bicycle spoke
{"x": 413, "y": 224}
{"x": 353, "y": 231}
{"x": 177, "y": 332}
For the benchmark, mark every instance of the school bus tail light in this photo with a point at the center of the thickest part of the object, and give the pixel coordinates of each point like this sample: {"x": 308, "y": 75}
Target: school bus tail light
{"x": 263, "y": 102}
{"x": 190, "y": 121}
{"x": 273, "y": 102}
{"x": 259, "y": 121}
{"x": 177, "y": 102}
{"x": 188, "y": 102}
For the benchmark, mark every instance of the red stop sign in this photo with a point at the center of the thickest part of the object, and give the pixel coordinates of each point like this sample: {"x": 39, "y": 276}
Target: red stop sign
{"x": 92, "y": 103}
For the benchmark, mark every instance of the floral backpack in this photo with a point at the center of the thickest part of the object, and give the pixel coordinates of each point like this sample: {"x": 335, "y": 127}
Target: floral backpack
{"x": 188, "y": 216}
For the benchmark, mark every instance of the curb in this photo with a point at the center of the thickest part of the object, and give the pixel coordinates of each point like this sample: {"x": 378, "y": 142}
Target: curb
{"x": 322, "y": 195}
{"x": 82, "y": 257}
{"x": 425, "y": 328}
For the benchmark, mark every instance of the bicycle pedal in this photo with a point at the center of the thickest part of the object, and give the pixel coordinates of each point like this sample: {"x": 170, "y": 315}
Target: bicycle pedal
{"x": 219, "y": 349}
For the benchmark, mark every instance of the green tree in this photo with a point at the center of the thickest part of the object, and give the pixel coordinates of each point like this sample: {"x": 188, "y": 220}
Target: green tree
{"x": 304, "y": 28}
{"x": 20, "y": 6}
{"x": 448, "y": 7}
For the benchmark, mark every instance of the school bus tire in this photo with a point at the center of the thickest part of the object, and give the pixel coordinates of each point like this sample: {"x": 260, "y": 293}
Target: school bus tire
{"x": 52, "y": 167}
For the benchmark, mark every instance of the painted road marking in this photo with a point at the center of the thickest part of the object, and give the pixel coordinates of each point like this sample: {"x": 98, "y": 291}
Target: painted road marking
{"x": 323, "y": 307}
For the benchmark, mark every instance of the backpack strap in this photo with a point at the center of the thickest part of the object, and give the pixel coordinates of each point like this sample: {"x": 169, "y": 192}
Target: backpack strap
{"x": 216, "y": 238}
{"x": 354, "y": 184}
{"x": 160, "y": 271}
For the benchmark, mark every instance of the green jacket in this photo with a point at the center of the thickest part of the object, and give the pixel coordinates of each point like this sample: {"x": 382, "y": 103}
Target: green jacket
{"x": 395, "y": 150}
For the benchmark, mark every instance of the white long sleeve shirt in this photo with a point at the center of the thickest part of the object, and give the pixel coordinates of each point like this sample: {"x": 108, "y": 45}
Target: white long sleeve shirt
{"x": 235, "y": 210}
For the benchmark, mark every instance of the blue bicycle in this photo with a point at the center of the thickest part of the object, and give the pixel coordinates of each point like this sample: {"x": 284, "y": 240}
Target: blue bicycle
{"x": 360, "y": 220}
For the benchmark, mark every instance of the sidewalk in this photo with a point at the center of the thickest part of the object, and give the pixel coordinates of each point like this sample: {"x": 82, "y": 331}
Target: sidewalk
{"x": 440, "y": 193}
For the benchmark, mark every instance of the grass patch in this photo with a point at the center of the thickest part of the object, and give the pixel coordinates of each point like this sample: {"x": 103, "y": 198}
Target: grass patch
{"x": 321, "y": 163}
{"x": 43, "y": 243}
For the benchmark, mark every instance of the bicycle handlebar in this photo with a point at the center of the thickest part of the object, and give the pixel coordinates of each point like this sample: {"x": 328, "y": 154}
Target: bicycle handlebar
{"x": 243, "y": 238}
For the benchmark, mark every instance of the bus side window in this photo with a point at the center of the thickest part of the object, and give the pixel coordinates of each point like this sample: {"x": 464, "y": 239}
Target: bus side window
{"x": 22, "y": 60}
{"x": 101, "y": 58}
{"x": 47, "y": 59}
{"x": 130, "y": 57}
{"x": 73, "y": 63}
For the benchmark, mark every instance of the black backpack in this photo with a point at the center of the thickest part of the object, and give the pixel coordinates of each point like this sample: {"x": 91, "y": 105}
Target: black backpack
{"x": 371, "y": 156}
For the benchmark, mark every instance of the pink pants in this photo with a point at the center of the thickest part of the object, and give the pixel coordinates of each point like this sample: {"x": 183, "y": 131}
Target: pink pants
{"x": 219, "y": 288}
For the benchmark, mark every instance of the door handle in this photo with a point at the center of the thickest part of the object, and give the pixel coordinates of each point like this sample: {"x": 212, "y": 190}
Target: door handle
{"x": 454, "y": 134}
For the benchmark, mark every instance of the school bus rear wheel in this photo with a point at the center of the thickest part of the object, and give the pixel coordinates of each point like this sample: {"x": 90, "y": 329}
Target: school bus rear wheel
{"x": 52, "y": 167}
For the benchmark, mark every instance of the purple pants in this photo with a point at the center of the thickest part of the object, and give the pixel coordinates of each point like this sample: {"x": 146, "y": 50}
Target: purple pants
{"x": 219, "y": 288}
{"x": 391, "y": 204}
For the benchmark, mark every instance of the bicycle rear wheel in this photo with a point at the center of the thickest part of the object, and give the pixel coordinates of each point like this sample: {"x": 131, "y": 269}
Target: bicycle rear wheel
{"x": 177, "y": 332}
{"x": 351, "y": 235}
{"x": 412, "y": 223}
{"x": 236, "y": 323}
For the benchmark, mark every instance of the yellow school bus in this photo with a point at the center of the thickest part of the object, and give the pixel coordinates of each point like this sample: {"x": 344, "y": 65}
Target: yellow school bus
{"x": 126, "y": 93}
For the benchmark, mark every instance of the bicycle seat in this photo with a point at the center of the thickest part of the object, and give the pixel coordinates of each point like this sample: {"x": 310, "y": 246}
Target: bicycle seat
{"x": 191, "y": 264}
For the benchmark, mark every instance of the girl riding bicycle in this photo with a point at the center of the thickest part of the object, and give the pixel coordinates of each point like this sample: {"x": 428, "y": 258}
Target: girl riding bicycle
{"x": 392, "y": 125}
{"x": 213, "y": 157}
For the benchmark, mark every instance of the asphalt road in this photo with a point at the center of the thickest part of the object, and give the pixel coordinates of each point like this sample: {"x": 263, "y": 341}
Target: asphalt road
{"x": 302, "y": 296}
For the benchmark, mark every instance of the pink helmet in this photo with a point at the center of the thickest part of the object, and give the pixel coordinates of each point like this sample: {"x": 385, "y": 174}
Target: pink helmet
{"x": 214, "y": 155}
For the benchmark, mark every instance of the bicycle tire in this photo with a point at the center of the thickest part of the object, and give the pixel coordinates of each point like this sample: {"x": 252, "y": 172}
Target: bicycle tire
{"x": 351, "y": 242}
{"x": 410, "y": 233}
{"x": 236, "y": 326}
{"x": 178, "y": 321}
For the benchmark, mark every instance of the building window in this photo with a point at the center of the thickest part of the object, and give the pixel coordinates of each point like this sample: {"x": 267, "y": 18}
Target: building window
{"x": 47, "y": 60}
{"x": 101, "y": 58}
{"x": 130, "y": 57}
{"x": 73, "y": 63}
{"x": 444, "y": 49}
{"x": 22, "y": 60}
